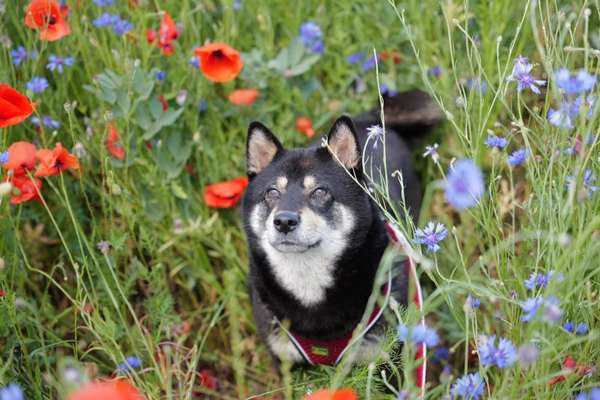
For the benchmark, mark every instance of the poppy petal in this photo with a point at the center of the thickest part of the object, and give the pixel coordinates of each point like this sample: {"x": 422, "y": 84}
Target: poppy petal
{"x": 21, "y": 157}
{"x": 14, "y": 107}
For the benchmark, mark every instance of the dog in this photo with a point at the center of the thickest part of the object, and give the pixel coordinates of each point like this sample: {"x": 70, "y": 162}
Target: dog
{"x": 315, "y": 236}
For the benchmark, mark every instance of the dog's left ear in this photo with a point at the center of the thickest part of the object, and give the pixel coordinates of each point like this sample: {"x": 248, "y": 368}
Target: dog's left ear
{"x": 261, "y": 148}
{"x": 343, "y": 143}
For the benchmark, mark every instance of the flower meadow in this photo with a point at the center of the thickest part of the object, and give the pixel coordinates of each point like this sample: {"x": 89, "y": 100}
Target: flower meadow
{"x": 122, "y": 142}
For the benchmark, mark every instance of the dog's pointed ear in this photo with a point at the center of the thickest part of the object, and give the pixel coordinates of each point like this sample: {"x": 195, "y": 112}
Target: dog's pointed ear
{"x": 261, "y": 148}
{"x": 343, "y": 142}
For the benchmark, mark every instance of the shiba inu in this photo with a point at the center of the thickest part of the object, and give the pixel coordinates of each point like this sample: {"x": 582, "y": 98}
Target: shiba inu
{"x": 316, "y": 238}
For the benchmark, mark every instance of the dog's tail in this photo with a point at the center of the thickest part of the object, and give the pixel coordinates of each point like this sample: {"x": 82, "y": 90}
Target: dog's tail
{"x": 412, "y": 114}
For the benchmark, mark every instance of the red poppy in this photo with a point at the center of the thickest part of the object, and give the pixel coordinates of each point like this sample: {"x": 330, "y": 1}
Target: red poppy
{"x": 326, "y": 394}
{"x": 166, "y": 35}
{"x": 26, "y": 189}
{"x": 116, "y": 150}
{"x": 55, "y": 161}
{"x": 390, "y": 55}
{"x": 119, "y": 389}
{"x": 304, "y": 125}
{"x": 14, "y": 107}
{"x": 47, "y": 16}
{"x": 225, "y": 194}
{"x": 243, "y": 97}
{"x": 21, "y": 157}
{"x": 219, "y": 62}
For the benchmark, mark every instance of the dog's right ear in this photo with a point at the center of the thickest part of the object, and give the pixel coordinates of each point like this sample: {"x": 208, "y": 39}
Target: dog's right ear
{"x": 261, "y": 148}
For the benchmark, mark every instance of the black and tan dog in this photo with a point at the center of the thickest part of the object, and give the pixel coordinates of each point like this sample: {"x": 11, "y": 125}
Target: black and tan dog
{"x": 316, "y": 238}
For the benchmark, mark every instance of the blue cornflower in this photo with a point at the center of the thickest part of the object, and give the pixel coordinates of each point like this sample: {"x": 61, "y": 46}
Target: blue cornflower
{"x": 37, "y": 84}
{"x": 11, "y": 392}
{"x": 431, "y": 235}
{"x": 131, "y": 362}
{"x": 581, "y": 329}
{"x": 194, "y": 62}
{"x": 517, "y": 157}
{"x": 311, "y": 36}
{"x": 4, "y": 158}
{"x": 473, "y": 302}
{"x": 423, "y": 334}
{"x": 593, "y": 394}
{"x": 530, "y": 307}
{"x": 106, "y": 20}
{"x": 160, "y": 75}
{"x": 440, "y": 355}
{"x": 122, "y": 26}
{"x": 318, "y": 47}
{"x": 103, "y": 3}
{"x": 368, "y": 64}
{"x": 477, "y": 84}
{"x": 522, "y": 74}
{"x": 45, "y": 121}
{"x": 498, "y": 142}
{"x": 574, "y": 84}
{"x": 469, "y": 387}
{"x": 566, "y": 114}
{"x": 435, "y": 71}
{"x": 309, "y": 32}
{"x": 237, "y": 4}
{"x": 464, "y": 184}
{"x": 420, "y": 334}
{"x": 57, "y": 63}
{"x": 568, "y": 326}
{"x": 540, "y": 280}
{"x": 588, "y": 181}
{"x": 355, "y": 57}
{"x": 503, "y": 355}
{"x": 20, "y": 55}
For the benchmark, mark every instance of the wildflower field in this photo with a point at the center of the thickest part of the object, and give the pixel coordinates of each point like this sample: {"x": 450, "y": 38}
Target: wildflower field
{"x": 122, "y": 149}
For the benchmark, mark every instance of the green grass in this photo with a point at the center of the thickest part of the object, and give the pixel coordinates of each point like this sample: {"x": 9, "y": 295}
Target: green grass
{"x": 172, "y": 289}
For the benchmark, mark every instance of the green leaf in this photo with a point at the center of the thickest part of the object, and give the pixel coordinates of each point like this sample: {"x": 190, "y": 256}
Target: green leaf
{"x": 142, "y": 116}
{"x": 169, "y": 117}
{"x": 178, "y": 191}
{"x": 303, "y": 66}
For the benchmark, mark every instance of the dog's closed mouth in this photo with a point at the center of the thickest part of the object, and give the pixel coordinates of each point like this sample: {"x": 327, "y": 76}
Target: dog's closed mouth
{"x": 287, "y": 246}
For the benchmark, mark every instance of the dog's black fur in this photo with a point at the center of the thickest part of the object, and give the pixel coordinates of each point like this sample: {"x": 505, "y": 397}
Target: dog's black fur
{"x": 344, "y": 303}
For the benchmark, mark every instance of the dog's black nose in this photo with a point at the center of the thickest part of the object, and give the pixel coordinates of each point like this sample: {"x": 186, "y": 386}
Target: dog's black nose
{"x": 286, "y": 221}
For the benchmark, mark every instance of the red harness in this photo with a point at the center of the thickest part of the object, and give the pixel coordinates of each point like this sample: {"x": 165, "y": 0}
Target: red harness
{"x": 330, "y": 352}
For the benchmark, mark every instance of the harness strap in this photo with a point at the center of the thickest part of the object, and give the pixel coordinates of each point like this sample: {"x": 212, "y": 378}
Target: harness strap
{"x": 330, "y": 352}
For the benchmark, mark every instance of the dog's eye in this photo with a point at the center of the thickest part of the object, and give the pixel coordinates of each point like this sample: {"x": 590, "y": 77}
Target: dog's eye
{"x": 272, "y": 195}
{"x": 320, "y": 194}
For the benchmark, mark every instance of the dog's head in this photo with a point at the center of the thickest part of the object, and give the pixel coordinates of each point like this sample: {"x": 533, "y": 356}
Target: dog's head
{"x": 305, "y": 200}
